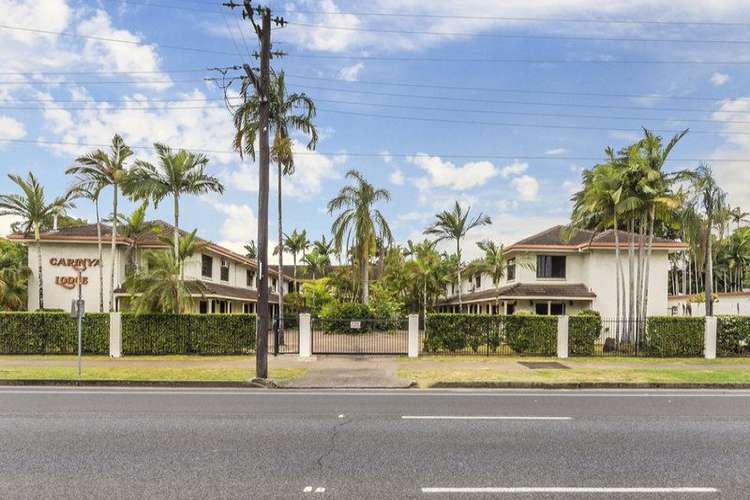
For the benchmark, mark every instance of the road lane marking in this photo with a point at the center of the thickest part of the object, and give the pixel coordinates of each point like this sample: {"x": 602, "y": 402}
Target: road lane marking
{"x": 690, "y": 489}
{"x": 478, "y": 417}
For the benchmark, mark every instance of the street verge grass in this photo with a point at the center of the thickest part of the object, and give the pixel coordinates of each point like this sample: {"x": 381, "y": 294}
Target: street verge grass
{"x": 429, "y": 377}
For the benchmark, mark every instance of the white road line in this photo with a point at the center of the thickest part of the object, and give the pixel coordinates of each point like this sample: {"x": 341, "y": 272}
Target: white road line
{"x": 478, "y": 417}
{"x": 572, "y": 490}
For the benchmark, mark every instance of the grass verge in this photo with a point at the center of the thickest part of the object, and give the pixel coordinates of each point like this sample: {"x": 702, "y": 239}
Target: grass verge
{"x": 431, "y": 376}
{"x": 138, "y": 373}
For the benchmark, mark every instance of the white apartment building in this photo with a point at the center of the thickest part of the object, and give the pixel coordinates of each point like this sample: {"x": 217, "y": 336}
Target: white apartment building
{"x": 548, "y": 274}
{"x": 221, "y": 281}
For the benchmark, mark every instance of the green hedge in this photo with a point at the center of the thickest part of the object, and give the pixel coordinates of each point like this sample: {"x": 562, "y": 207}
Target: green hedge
{"x": 673, "y": 336}
{"x": 52, "y": 333}
{"x": 733, "y": 336}
{"x": 491, "y": 334}
{"x": 584, "y": 330}
{"x": 188, "y": 333}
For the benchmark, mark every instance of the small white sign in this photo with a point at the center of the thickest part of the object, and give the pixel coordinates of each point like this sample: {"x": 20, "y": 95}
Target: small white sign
{"x": 355, "y": 325}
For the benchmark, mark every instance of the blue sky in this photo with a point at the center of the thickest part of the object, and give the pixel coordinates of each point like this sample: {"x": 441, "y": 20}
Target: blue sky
{"x": 517, "y": 158}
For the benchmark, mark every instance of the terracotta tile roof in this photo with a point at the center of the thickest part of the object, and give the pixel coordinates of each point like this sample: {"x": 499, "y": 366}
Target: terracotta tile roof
{"x": 583, "y": 238}
{"x": 536, "y": 290}
{"x": 208, "y": 289}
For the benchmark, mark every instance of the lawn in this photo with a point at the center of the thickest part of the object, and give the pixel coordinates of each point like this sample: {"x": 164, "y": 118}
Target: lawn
{"x": 139, "y": 368}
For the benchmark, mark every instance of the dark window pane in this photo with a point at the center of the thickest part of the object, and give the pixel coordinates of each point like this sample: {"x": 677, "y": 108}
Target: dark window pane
{"x": 557, "y": 309}
{"x": 207, "y": 264}
{"x": 550, "y": 266}
{"x": 511, "y": 270}
{"x": 540, "y": 308}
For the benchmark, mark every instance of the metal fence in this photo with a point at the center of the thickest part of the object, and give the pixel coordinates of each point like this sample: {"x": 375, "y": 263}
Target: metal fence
{"x": 360, "y": 336}
{"x": 288, "y": 338}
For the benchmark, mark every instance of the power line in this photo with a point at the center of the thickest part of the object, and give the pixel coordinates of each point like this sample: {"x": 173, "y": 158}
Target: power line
{"x": 493, "y": 156}
{"x": 521, "y": 19}
{"x": 102, "y": 72}
{"x": 102, "y": 82}
{"x": 521, "y": 36}
{"x": 115, "y": 40}
{"x": 511, "y": 61}
{"x": 522, "y": 125}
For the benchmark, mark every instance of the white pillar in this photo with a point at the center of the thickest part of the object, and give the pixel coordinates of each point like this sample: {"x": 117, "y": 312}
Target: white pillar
{"x": 562, "y": 337}
{"x": 115, "y": 334}
{"x": 413, "y": 335}
{"x": 709, "y": 338}
{"x": 305, "y": 336}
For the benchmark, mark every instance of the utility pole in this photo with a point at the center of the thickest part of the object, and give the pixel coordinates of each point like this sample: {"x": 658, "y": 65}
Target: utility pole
{"x": 262, "y": 85}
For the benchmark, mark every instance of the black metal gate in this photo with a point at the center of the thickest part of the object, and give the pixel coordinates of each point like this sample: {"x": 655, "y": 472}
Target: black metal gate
{"x": 286, "y": 341}
{"x": 360, "y": 336}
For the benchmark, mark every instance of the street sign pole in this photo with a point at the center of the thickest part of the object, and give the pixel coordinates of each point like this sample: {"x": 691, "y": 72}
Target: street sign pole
{"x": 79, "y": 308}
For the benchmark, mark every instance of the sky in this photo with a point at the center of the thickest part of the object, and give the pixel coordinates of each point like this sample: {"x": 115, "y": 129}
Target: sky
{"x": 496, "y": 104}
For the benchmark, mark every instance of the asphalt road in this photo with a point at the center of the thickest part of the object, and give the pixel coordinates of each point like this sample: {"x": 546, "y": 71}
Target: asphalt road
{"x": 182, "y": 443}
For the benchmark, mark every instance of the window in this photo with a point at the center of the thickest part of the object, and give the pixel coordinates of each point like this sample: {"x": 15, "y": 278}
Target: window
{"x": 224, "y": 270}
{"x": 222, "y": 307}
{"x": 453, "y": 289}
{"x": 554, "y": 309}
{"x": 510, "y": 271}
{"x": 511, "y": 309}
{"x": 557, "y": 309}
{"x": 289, "y": 287}
{"x": 541, "y": 308}
{"x": 203, "y": 307}
{"x": 250, "y": 276}
{"x": 550, "y": 266}
{"x": 207, "y": 266}
{"x": 478, "y": 280}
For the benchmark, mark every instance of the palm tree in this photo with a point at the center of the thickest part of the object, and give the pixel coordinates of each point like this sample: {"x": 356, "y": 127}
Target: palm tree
{"x": 32, "y": 209}
{"x": 493, "y": 263}
{"x": 317, "y": 263}
{"x": 107, "y": 169}
{"x": 738, "y": 216}
{"x": 135, "y": 227}
{"x": 324, "y": 246}
{"x": 91, "y": 188}
{"x": 454, "y": 225}
{"x": 287, "y": 111}
{"x": 296, "y": 243}
{"x": 711, "y": 198}
{"x": 159, "y": 287}
{"x": 178, "y": 173}
{"x": 251, "y": 251}
{"x": 359, "y": 223}
{"x": 14, "y": 275}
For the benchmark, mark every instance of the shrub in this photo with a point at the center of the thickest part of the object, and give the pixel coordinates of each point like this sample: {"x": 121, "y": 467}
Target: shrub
{"x": 52, "y": 333}
{"x": 188, "y": 333}
{"x": 457, "y": 332}
{"x": 583, "y": 331}
{"x": 674, "y": 336}
{"x": 337, "y": 317}
{"x": 733, "y": 336}
{"x": 531, "y": 334}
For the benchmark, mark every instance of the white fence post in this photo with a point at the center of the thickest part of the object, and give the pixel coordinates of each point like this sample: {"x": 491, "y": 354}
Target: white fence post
{"x": 305, "y": 336}
{"x": 115, "y": 334}
{"x": 413, "y": 335}
{"x": 709, "y": 338}
{"x": 562, "y": 337}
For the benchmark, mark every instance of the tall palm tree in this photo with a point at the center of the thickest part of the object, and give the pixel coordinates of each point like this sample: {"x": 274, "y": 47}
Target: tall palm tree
{"x": 159, "y": 287}
{"x": 359, "y": 223}
{"x": 738, "y": 216}
{"x": 317, "y": 263}
{"x": 454, "y": 225}
{"x": 109, "y": 169}
{"x": 324, "y": 246}
{"x": 492, "y": 263}
{"x": 91, "y": 188}
{"x": 711, "y": 198}
{"x": 177, "y": 174}
{"x": 135, "y": 227}
{"x": 33, "y": 210}
{"x": 287, "y": 112}
{"x": 296, "y": 243}
{"x": 14, "y": 274}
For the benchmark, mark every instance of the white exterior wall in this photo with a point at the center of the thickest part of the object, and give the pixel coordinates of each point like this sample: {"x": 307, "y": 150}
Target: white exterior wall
{"x": 59, "y": 297}
{"x": 731, "y": 305}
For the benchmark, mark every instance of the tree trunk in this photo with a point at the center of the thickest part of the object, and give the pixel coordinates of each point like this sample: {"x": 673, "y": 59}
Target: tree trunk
{"x": 618, "y": 265}
{"x": 365, "y": 281}
{"x": 648, "y": 262}
{"x": 112, "y": 253}
{"x": 709, "y": 285}
{"x": 177, "y": 228}
{"x": 280, "y": 283}
{"x": 460, "y": 283}
{"x": 631, "y": 282}
{"x": 99, "y": 247}
{"x": 38, "y": 239}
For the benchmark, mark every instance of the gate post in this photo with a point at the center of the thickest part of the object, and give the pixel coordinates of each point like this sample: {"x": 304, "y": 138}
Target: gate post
{"x": 562, "y": 337}
{"x": 305, "y": 336}
{"x": 709, "y": 338}
{"x": 413, "y": 335}
{"x": 115, "y": 334}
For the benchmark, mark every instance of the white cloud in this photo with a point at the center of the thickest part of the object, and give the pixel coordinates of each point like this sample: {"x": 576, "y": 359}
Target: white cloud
{"x": 239, "y": 224}
{"x": 527, "y": 187}
{"x": 446, "y": 174}
{"x": 386, "y": 156}
{"x": 10, "y": 128}
{"x": 556, "y": 151}
{"x": 351, "y": 73}
{"x": 397, "y": 177}
{"x": 515, "y": 168}
{"x": 719, "y": 79}
{"x": 734, "y": 176}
